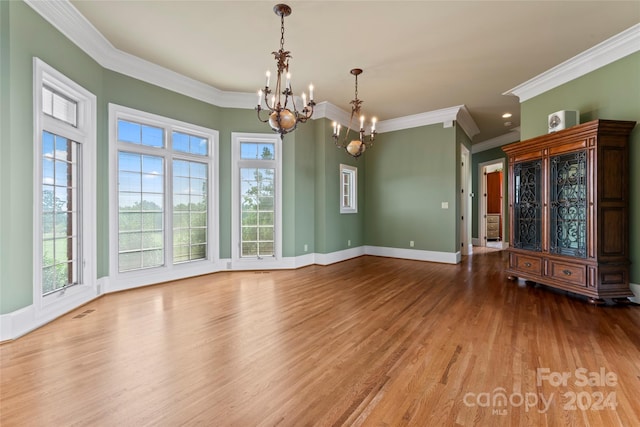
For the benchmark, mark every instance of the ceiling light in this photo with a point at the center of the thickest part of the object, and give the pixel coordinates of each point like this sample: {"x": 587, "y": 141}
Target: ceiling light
{"x": 280, "y": 105}
{"x": 506, "y": 115}
{"x": 355, "y": 147}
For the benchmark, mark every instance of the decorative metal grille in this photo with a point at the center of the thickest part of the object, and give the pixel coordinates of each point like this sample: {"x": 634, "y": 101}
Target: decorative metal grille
{"x": 568, "y": 204}
{"x": 527, "y": 207}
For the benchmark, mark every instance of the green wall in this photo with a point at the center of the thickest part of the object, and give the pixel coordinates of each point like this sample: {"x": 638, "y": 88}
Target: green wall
{"x": 335, "y": 230}
{"x": 409, "y": 174}
{"x": 5, "y": 137}
{"x": 611, "y": 92}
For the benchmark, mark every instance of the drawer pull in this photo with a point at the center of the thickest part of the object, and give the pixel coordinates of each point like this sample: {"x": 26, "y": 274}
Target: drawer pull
{"x": 567, "y": 272}
{"x": 527, "y": 264}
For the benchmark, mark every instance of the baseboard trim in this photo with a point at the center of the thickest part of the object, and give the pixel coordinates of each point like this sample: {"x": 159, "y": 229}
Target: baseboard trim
{"x": 415, "y": 254}
{"x": 24, "y": 320}
{"x": 635, "y": 288}
{"x": 339, "y": 256}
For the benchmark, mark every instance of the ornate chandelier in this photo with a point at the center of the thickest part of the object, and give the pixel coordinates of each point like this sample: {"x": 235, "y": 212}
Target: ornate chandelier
{"x": 284, "y": 115}
{"x": 355, "y": 147}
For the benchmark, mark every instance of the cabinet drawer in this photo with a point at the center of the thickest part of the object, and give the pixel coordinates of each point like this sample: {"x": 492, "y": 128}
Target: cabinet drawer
{"x": 526, "y": 264}
{"x": 569, "y": 272}
{"x": 493, "y": 219}
{"x": 492, "y": 227}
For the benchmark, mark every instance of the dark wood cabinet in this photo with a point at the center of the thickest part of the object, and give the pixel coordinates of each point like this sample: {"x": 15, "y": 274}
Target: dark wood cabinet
{"x": 569, "y": 209}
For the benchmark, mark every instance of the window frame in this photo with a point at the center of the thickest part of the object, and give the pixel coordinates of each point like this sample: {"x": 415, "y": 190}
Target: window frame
{"x": 85, "y": 134}
{"x": 236, "y": 164}
{"x": 168, "y": 270}
{"x": 351, "y": 172}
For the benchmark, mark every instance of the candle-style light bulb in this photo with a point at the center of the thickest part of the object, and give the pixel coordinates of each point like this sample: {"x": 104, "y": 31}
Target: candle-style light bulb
{"x": 304, "y": 99}
{"x": 310, "y": 92}
{"x": 373, "y": 124}
{"x": 260, "y": 97}
{"x": 338, "y": 132}
{"x": 268, "y": 78}
{"x": 361, "y": 122}
{"x": 288, "y": 81}
{"x": 335, "y": 127}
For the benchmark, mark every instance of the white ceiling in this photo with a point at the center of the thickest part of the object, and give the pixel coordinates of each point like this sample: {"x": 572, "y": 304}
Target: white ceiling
{"x": 417, "y": 56}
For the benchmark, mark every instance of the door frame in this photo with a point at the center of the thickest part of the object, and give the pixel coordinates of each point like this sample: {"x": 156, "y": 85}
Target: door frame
{"x": 491, "y": 165}
{"x": 465, "y": 202}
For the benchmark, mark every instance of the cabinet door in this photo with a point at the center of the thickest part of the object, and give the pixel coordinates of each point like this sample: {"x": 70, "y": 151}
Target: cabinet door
{"x": 494, "y": 193}
{"x": 527, "y": 206}
{"x": 568, "y": 204}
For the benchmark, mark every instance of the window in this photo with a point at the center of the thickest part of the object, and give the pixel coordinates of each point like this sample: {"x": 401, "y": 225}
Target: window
{"x": 140, "y": 211}
{"x": 61, "y": 215}
{"x": 348, "y": 189}
{"x": 190, "y": 206}
{"x": 64, "y": 194}
{"x": 256, "y": 186}
{"x": 165, "y": 211}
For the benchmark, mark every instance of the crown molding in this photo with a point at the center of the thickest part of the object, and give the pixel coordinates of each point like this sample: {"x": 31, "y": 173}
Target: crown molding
{"x": 327, "y": 110}
{"x": 444, "y": 115}
{"x": 467, "y": 123}
{"x": 610, "y": 50}
{"x": 66, "y": 19}
{"x": 498, "y": 141}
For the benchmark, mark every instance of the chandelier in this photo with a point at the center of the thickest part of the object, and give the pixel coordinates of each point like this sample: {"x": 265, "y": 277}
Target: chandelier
{"x": 283, "y": 114}
{"x": 355, "y": 147}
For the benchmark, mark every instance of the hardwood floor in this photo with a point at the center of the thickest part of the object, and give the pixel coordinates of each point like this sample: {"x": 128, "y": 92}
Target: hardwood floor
{"x": 370, "y": 341}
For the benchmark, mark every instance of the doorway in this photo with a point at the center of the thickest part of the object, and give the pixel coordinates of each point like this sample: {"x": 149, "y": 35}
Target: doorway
{"x": 492, "y": 222}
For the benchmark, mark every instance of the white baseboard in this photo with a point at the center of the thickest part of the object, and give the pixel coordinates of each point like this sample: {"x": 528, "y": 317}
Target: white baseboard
{"x": 343, "y": 255}
{"x": 17, "y": 323}
{"x": 415, "y": 254}
{"x": 469, "y": 249}
{"x": 635, "y": 288}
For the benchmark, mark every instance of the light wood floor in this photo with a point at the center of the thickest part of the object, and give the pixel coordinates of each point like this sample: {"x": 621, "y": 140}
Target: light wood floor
{"x": 371, "y": 341}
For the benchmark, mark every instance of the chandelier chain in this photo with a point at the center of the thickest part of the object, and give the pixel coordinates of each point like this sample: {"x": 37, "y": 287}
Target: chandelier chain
{"x": 356, "y": 87}
{"x": 282, "y": 32}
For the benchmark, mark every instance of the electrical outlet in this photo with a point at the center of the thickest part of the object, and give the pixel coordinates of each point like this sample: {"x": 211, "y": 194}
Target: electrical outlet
{"x": 445, "y": 205}
{"x": 411, "y": 243}
{"x": 306, "y": 248}
{"x": 229, "y": 265}
{"x": 348, "y": 242}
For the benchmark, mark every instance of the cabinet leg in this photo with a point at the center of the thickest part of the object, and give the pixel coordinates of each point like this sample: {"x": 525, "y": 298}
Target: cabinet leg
{"x": 530, "y": 283}
{"x": 512, "y": 277}
{"x": 596, "y": 301}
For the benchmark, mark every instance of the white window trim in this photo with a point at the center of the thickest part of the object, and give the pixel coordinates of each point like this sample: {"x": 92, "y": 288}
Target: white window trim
{"x": 352, "y": 171}
{"x": 57, "y": 303}
{"x": 169, "y": 271}
{"x": 254, "y": 263}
